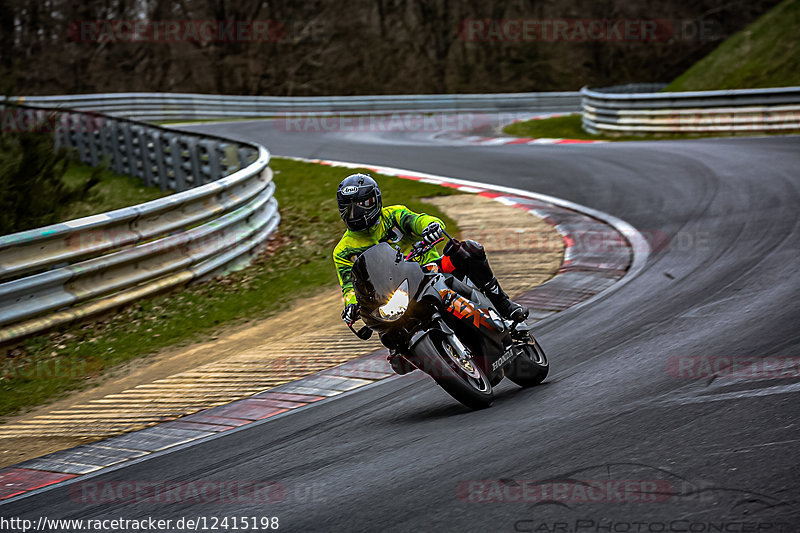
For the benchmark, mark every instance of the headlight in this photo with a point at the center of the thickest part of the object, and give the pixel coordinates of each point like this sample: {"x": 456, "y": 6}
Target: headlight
{"x": 397, "y": 304}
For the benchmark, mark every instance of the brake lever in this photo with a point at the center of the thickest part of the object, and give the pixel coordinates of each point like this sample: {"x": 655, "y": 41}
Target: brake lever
{"x": 364, "y": 333}
{"x": 418, "y": 251}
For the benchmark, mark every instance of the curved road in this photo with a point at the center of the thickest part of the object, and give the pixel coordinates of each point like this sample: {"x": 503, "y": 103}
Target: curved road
{"x": 721, "y": 453}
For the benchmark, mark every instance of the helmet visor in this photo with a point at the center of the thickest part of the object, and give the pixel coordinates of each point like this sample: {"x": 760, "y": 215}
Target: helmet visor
{"x": 358, "y": 214}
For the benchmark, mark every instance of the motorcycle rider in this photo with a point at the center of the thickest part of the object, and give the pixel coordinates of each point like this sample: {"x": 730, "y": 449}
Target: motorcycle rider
{"x": 369, "y": 223}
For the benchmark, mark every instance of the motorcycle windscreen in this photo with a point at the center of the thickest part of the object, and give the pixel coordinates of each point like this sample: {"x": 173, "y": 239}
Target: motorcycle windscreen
{"x": 379, "y": 271}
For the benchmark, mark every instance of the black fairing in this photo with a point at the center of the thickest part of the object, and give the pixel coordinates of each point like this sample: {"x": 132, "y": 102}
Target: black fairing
{"x": 378, "y": 272}
{"x": 486, "y": 346}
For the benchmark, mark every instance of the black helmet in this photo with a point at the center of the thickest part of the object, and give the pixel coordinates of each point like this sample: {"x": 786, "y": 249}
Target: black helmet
{"x": 359, "y": 199}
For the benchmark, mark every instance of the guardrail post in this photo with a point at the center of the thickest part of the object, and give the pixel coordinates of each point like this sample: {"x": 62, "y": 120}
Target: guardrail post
{"x": 244, "y": 154}
{"x": 211, "y": 170}
{"x": 90, "y": 138}
{"x": 63, "y": 133}
{"x": 194, "y": 171}
{"x": 128, "y": 156}
{"x": 230, "y": 157}
{"x": 144, "y": 142}
{"x": 113, "y": 138}
{"x": 176, "y": 160}
{"x": 156, "y": 151}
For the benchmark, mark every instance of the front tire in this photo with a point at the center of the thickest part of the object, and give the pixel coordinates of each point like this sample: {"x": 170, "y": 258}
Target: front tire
{"x": 530, "y": 367}
{"x": 436, "y": 355}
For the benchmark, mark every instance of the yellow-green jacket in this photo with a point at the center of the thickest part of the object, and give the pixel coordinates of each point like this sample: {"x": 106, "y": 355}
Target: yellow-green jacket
{"x": 398, "y": 225}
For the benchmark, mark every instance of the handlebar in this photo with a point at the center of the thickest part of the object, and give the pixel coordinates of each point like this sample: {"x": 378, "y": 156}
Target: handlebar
{"x": 364, "y": 333}
{"x": 420, "y": 248}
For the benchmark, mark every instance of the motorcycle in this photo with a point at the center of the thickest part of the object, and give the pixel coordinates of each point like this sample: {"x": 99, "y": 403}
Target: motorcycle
{"x": 443, "y": 325}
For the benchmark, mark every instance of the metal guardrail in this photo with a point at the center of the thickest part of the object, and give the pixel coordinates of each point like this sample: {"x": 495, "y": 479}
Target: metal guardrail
{"x": 734, "y": 111}
{"x": 218, "y": 220}
{"x": 221, "y": 215}
{"x": 169, "y": 106}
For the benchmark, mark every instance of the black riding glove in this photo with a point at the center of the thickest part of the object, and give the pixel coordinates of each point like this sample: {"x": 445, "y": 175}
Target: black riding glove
{"x": 432, "y": 233}
{"x": 350, "y": 313}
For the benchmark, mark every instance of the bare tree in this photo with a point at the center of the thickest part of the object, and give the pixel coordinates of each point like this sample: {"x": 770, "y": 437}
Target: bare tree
{"x": 350, "y": 46}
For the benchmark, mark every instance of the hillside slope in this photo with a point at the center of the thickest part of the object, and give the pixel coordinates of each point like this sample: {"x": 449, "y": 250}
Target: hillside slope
{"x": 765, "y": 54}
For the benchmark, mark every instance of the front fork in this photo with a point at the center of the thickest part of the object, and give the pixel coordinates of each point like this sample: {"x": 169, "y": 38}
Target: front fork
{"x": 454, "y": 348}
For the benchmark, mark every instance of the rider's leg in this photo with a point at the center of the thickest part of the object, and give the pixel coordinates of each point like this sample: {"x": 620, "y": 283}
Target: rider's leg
{"x": 469, "y": 258}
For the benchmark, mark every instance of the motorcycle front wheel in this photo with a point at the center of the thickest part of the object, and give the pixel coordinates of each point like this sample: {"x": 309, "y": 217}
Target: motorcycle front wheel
{"x": 439, "y": 357}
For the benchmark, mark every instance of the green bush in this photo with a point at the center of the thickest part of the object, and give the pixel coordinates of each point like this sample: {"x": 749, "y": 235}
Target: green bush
{"x": 32, "y": 187}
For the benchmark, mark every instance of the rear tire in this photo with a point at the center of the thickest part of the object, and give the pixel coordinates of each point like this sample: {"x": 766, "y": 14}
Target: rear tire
{"x": 431, "y": 355}
{"x": 530, "y": 367}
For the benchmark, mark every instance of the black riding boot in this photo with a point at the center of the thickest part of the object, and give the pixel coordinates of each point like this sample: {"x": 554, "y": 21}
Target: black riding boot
{"x": 510, "y": 310}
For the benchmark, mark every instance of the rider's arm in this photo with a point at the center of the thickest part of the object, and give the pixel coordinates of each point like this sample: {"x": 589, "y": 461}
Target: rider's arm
{"x": 344, "y": 257}
{"x": 411, "y": 222}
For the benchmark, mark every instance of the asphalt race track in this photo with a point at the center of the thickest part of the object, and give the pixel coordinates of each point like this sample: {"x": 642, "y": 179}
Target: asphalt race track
{"x": 709, "y": 454}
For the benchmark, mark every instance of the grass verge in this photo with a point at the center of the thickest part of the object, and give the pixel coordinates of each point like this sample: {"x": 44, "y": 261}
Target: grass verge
{"x": 569, "y": 127}
{"x": 45, "y": 367}
{"x": 40, "y": 186}
{"x": 110, "y": 191}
